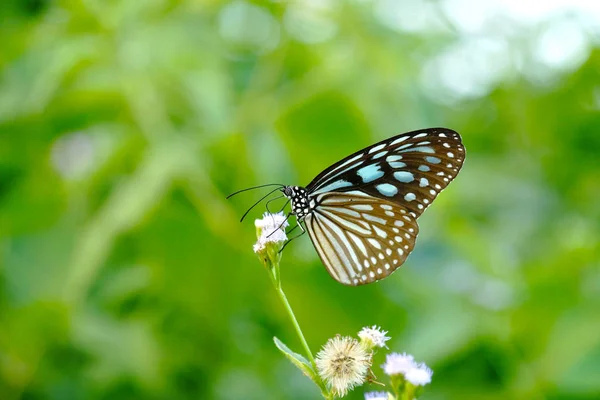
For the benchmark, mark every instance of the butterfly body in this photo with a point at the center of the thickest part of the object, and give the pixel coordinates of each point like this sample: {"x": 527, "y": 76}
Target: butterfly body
{"x": 300, "y": 202}
{"x": 361, "y": 213}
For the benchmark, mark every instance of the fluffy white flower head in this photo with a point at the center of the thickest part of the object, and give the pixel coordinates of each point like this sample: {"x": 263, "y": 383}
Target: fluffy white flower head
{"x": 376, "y": 396}
{"x": 396, "y": 363}
{"x": 373, "y": 336}
{"x": 343, "y": 363}
{"x": 270, "y": 229}
{"x": 420, "y": 375}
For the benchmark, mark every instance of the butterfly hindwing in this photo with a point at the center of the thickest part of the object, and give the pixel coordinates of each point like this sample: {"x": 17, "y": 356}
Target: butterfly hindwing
{"x": 360, "y": 238}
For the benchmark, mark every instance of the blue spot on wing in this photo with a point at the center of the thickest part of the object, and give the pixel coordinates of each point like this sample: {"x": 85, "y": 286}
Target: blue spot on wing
{"x": 387, "y": 189}
{"x": 333, "y": 186}
{"x": 404, "y": 176}
{"x": 370, "y": 173}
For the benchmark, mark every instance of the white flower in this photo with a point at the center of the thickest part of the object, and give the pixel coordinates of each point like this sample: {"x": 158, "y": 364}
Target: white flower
{"x": 270, "y": 229}
{"x": 396, "y": 363}
{"x": 343, "y": 364}
{"x": 373, "y": 336}
{"x": 376, "y": 396}
{"x": 420, "y": 375}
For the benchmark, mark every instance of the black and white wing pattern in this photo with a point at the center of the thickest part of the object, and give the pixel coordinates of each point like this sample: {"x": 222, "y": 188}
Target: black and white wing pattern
{"x": 364, "y": 208}
{"x": 360, "y": 238}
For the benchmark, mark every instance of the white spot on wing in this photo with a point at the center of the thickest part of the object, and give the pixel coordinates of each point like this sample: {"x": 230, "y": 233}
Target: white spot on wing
{"x": 359, "y": 243}
{"x": 362, "y": 207}
{"x": 409, "y": 197}
{"x": 380, "y": 232}
{"x": 400, "y": 140}
{"x": 373, "y": 218}
{"x": 377, "y": 148}
{"x": 374, "y": 243}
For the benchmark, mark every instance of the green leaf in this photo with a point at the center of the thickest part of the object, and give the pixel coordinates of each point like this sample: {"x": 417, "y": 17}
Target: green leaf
{"x": 298, "y": 360}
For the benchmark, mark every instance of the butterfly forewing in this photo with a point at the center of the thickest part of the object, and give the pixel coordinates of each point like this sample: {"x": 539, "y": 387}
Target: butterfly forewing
{"x": 360, "y": 238}
{"x": 409, "y": 169}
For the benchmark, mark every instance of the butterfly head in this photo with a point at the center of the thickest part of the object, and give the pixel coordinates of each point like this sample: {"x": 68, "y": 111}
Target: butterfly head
{"x": 298, "y": 195}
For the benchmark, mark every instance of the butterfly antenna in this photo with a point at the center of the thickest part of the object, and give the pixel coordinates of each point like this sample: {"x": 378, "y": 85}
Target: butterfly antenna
{"x": 255, "y": 204}
{"x": 255, "y": 187}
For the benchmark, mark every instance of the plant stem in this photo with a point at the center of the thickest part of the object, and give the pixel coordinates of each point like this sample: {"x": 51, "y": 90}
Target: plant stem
{"x": 275, "y": 279}
{"x": 290, "y": 312}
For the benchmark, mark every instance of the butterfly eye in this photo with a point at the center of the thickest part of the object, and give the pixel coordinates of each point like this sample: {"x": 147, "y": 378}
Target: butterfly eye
{"x": 288, "y": 191}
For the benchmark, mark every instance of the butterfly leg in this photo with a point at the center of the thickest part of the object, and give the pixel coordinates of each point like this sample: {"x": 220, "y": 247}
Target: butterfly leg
{"x": 273, "y": 199}
{"x": 295, "y": 237}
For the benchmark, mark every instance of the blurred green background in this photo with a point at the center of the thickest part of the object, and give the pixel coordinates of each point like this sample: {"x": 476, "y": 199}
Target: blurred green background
{"x": 125, "y": 274}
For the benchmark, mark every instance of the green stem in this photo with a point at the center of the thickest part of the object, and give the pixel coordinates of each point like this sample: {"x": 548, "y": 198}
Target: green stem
{"x": 397, "y": 385}
{"x": 290, "y": 312}
{"x": 275, "y": 279}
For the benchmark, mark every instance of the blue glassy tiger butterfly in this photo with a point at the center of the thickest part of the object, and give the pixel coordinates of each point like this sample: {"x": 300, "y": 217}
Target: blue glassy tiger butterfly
{"x": 361, "y": 212}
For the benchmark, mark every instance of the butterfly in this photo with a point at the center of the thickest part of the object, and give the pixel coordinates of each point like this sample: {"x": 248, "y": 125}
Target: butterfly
{"x": 361, "y": 213}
